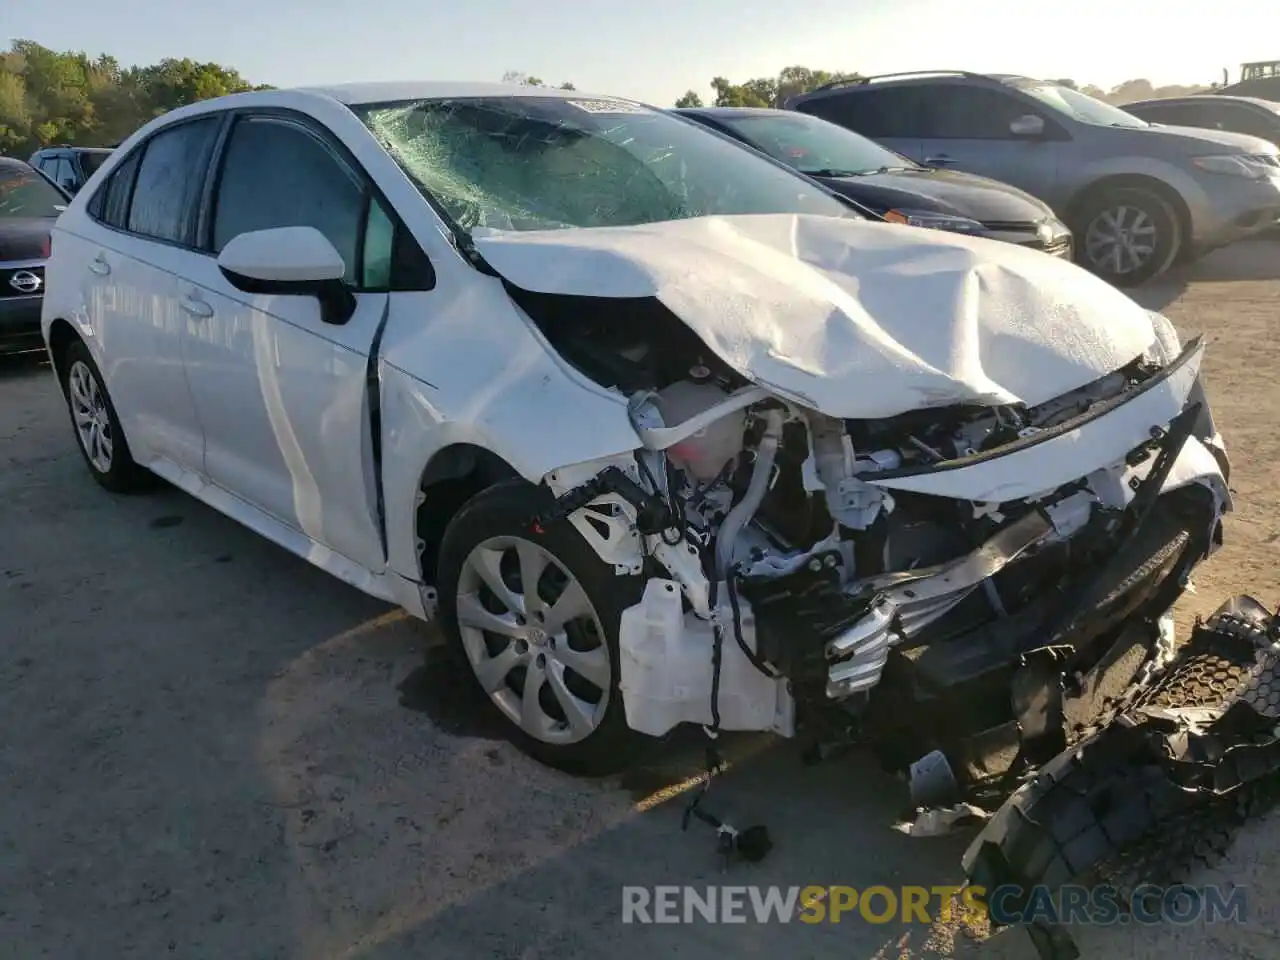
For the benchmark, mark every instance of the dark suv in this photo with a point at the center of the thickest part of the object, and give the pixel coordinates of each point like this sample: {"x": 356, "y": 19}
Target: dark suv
{"x": 69, "y": 167}
{"x": 1137, "y": 196}
{"x": 1257, "y": 118}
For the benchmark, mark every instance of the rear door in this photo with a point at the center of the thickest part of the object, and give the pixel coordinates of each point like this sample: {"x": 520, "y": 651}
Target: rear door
{"x": 890, "y": 115}
{"x": 140, "y": 234}
{"x": 283, "y": 396}
{"x": 967, "y": 127}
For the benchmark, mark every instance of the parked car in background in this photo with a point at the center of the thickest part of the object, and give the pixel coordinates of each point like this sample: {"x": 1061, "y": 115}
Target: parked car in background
{"x": 889, "y": 184}
{"x": 1248, "y": 115}
{"x": 1138, "y": 197}
{"x": 69, "y": 167}
{"x": 29, "y": 205}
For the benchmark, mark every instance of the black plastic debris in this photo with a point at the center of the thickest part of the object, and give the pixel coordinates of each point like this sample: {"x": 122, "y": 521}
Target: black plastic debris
{"x": 1195, "y": 748}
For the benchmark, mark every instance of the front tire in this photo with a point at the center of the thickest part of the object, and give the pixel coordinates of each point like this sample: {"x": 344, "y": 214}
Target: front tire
{"x": 545, "y": 659}
{"x": 97, "y": 427}
{"x": 1127, "y": 235}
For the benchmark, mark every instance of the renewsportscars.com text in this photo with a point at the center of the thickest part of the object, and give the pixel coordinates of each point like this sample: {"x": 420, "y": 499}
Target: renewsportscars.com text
{"x": 1071, "y": 904}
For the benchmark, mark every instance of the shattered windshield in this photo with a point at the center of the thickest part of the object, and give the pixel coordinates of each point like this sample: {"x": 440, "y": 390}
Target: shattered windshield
{"x": 541, "y": 163}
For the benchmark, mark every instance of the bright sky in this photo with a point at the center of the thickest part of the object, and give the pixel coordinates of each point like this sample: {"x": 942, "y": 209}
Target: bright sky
{"x": 656, "y": 49}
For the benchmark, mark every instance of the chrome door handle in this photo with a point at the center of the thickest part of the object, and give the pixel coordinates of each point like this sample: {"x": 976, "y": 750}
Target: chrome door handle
{"x": 196, "y": 307}
{"x": 941, "y": 160}
{"x": 99, "y": 266}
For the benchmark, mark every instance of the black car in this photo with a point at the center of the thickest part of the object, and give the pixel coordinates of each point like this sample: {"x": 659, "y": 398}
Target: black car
{"x": 1249, "y": 115}
{"x": 29, "y": 204}
{"x": 69, "y": 167}
{"x": 888, "y": 184}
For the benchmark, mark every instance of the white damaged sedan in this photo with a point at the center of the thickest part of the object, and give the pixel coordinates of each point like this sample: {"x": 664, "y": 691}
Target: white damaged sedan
{"x": 661, "y": 432}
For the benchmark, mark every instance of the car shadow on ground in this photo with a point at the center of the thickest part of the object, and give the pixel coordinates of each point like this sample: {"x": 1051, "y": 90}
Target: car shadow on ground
{"x": 25, "y": 364}
{"x": 217, "y": 751}
{"x": 1249, "y": 260}
{"x": 424, "y": 827}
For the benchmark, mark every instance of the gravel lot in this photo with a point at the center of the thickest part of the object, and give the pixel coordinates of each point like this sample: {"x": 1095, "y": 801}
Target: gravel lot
{"x": 210, "y": 749}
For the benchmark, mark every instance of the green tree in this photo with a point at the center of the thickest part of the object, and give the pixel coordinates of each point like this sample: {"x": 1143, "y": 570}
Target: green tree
{"x": 49, "y": 96}
{"x": 529, "y": 80}
{"x": 175, "y": 83}
{"x": 774, "y": 91}
{"x": 753, "y": 93}
{"x": 689, "y": 99}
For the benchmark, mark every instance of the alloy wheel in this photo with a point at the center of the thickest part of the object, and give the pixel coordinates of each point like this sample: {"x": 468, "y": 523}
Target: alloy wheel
{"x": 92, "y": 420}
{"x": 1121, "y": 240}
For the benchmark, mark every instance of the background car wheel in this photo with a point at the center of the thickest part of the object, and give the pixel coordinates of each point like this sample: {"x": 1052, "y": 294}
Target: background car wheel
{"x": 1127, "y": 235}
{"x": 534, "y": 615}
{"x": 97, "y": 428}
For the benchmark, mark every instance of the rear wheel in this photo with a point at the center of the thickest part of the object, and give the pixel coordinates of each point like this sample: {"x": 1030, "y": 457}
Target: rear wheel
{"x": 534, "y": 614}
{"x": 1127, "y": 235}
{"x": 97, "y": 427}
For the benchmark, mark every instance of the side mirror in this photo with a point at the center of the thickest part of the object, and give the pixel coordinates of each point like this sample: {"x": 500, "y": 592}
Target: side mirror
{"x": 290, "y": 261}
{"x": 1028, "y": 126}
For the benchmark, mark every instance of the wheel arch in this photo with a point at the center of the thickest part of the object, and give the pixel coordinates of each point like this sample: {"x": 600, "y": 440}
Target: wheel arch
{"x": 1133, "y": 181}
{"x": 454, "y": 474}
{"x": 61, "y": 335}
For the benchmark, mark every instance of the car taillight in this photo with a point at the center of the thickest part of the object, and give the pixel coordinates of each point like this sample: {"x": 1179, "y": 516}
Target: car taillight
{"x": 46, "y": 248}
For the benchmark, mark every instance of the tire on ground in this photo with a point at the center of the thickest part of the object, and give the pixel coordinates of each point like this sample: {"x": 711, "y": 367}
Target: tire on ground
{"x": 507, "y": 510}
{"x": 124, "y": 475}
{"x": 1159, "y": 211}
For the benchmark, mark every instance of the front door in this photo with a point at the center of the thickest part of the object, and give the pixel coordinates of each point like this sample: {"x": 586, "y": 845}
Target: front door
{"x": 283, "y": 396}
{"x": 967, "y": 128}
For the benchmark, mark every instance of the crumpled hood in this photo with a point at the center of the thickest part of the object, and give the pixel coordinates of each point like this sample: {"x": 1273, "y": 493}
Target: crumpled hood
{"x": 853, "y": 318}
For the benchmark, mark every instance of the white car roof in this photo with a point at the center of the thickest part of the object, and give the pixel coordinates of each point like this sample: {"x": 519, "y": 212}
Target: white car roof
{"x": 354, "y": 94}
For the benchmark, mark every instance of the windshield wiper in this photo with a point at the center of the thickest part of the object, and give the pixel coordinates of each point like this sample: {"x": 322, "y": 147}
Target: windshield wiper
{"x": 857, "y": 173}
{"x": 833, "y": 172}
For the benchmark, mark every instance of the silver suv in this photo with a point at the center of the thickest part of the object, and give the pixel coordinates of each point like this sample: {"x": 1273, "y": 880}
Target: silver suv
{"x": 1138, "y": 197}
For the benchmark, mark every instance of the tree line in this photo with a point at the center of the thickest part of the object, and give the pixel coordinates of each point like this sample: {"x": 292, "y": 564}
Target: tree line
{"x": 51, "y": 96}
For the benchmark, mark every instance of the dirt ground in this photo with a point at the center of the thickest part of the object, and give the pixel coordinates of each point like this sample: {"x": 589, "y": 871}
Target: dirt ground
{"x": 210, "y": 749}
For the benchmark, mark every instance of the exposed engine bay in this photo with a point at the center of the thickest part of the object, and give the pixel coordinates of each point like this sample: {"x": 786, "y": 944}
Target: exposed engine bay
{"x": 896, "y": 490}
{"x": 802, "y": 575}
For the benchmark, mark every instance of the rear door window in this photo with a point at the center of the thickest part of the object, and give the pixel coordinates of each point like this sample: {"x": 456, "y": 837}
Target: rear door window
{"x": 1255, "y": 123}
{"x": 880, "y": 113}
{"x": 90, "y": 162}
{"x": 110, "y": 203}
{"x": 166, "y": 195}
{"x": 957, "y": 112}
{"x": 1171, "y": 114}
{"x": 61, "y": 173}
